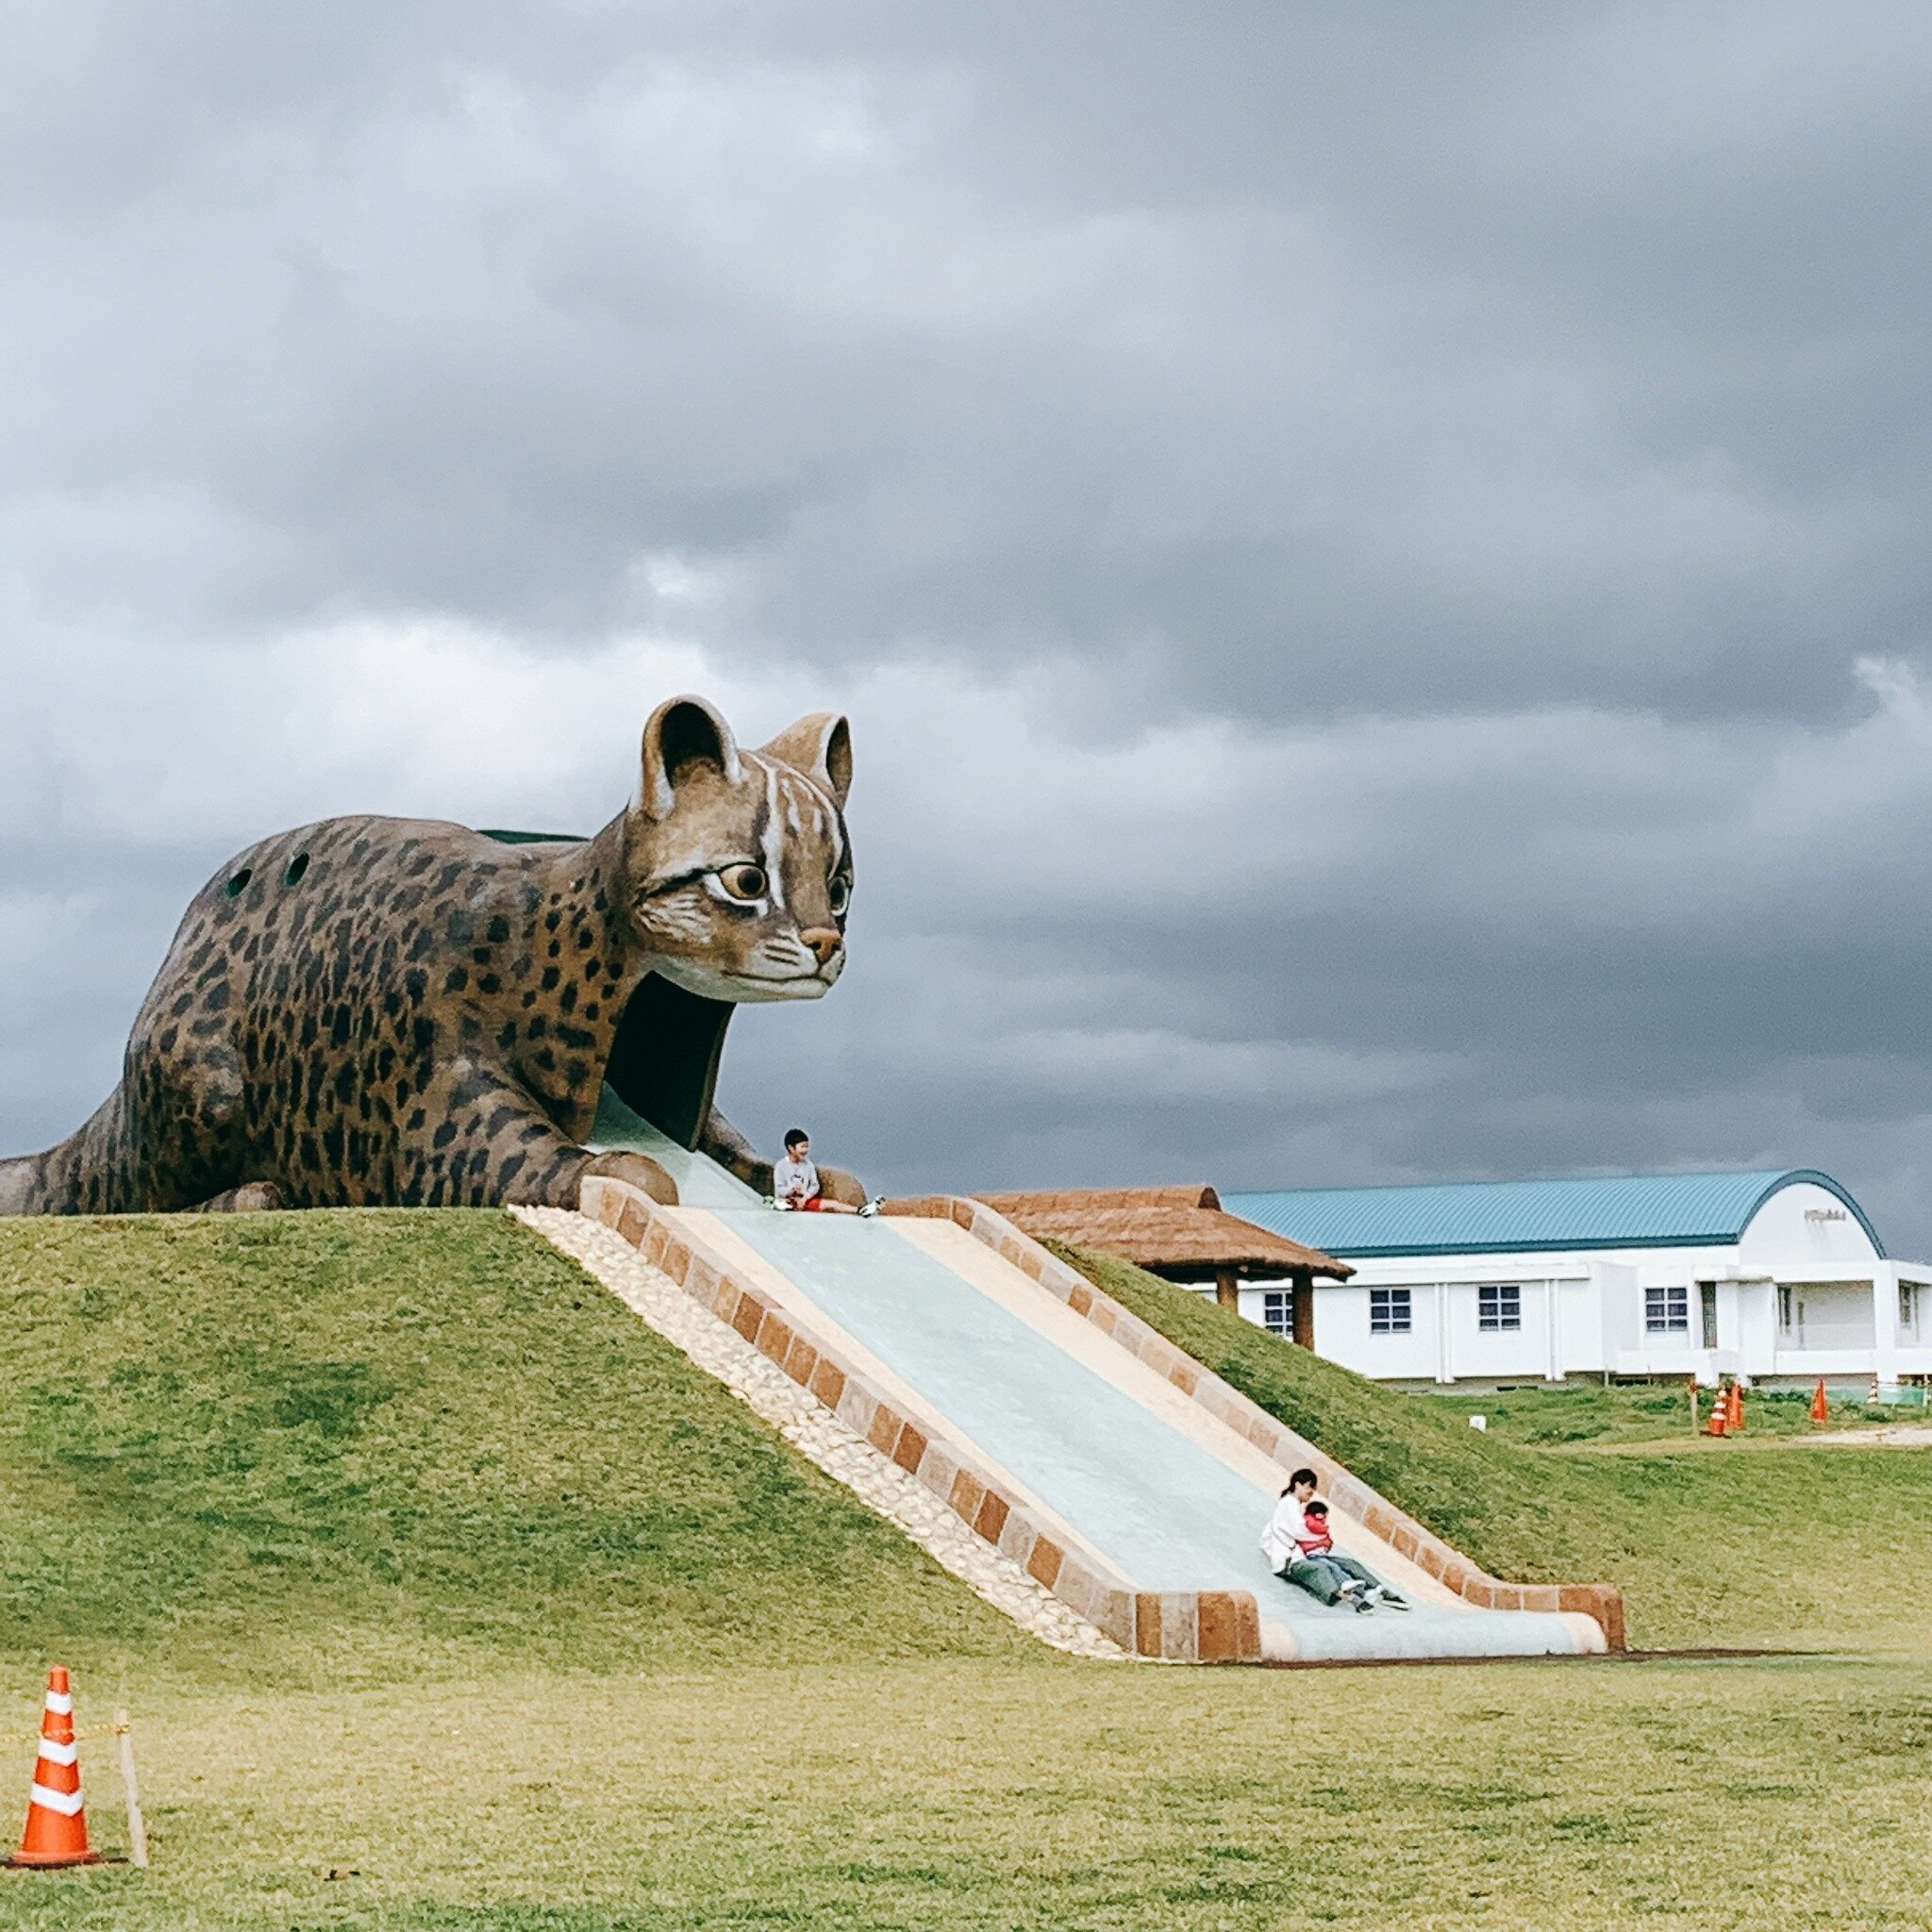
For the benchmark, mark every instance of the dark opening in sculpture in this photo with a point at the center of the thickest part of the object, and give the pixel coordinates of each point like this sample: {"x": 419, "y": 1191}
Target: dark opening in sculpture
{"x": 391, "y": 1012}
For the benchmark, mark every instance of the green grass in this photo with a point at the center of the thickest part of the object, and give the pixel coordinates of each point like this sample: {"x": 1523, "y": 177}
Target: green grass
{"x": 419, "y": 1560}
{"x": 1714, "y": 1544}
{"x": 1592, "y": 1415}
{"x": 332, "y": 1447}
{"x": 1750, "y": 1797}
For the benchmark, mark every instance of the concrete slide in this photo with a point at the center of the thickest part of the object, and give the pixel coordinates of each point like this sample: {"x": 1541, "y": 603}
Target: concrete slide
{"x": 1128, "y": 1471}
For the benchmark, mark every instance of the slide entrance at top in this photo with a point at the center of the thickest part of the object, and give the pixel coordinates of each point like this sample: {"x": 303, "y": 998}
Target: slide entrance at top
{"x": 1150, "y": 1491}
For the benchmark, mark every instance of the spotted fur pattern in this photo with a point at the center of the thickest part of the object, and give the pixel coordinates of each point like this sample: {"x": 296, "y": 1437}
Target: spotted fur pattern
{"x": 392, "y": 1011}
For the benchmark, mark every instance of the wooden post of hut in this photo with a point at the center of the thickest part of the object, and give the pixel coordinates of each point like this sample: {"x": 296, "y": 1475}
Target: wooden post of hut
{"x": 1227, "y": 1290}
{"x": 1304, "y": 1315}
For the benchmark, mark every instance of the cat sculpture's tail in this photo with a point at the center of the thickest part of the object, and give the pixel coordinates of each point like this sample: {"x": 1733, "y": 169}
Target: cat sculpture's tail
{"x": 75, "y": 1176}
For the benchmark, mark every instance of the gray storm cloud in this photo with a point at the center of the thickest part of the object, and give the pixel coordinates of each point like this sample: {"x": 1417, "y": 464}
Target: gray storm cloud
{"x": 1377, "y": 556}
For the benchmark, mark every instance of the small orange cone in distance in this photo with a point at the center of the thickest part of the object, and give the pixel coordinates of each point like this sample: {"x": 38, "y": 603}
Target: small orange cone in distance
{"x": 1734, "y": 1417}
{"x": 56, "y": 1819}
{"x": 1821, "y": 1410}
{"x": 1718, "y": 1423}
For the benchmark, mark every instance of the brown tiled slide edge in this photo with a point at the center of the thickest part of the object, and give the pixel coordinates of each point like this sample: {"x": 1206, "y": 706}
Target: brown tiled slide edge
{"x": 1601, "y": 1601}
{"x": 1188, "y": 1627}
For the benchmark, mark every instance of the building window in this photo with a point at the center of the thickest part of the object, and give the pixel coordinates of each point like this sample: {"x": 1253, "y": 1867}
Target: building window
{"x": 1908, "y": 1307}
{"x": 1388, "y": 1311}
{"x": 1277, "y": 1311}
{"x": 1499, "y": 1308}
{"x": 1787, "y": 1315}
{"x": 1667, "y": 1310}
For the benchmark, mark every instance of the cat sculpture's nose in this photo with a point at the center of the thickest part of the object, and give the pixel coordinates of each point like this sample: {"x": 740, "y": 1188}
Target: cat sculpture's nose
{"x": 825, "y": 941}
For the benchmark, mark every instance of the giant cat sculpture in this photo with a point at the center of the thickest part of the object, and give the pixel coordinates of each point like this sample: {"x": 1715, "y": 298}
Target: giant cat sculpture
{"x": 400, "y": 1011}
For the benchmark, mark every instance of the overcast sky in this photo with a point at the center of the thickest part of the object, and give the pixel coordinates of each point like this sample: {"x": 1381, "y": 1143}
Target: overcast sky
{"x": 1377, "y": 556}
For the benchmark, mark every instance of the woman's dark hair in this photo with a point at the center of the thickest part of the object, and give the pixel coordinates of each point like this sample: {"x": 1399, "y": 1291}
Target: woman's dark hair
{"x": 1300, "y": 1475}
{"x": 794, "y": 1136}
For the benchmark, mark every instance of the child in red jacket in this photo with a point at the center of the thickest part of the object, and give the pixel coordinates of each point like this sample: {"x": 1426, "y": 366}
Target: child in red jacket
{"x": 1363, "y": 1587}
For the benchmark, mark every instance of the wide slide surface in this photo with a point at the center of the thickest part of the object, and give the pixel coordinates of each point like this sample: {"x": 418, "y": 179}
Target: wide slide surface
{"x": 1131, "y": 1470}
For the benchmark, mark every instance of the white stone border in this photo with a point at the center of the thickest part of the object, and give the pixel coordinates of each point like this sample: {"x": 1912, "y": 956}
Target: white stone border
{"x": 816, "y": 1433}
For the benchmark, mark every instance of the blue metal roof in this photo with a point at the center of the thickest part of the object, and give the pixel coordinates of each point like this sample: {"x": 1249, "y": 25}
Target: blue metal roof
{"x": 1644, "y": 1211}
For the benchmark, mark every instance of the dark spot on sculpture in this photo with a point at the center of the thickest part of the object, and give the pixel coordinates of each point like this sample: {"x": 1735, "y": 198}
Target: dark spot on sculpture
{"x": 297, "y": 866}
{"x": 238, "y": 884}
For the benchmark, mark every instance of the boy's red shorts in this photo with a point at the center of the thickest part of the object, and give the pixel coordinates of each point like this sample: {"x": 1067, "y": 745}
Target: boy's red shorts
{"x": 815, "y": 1206}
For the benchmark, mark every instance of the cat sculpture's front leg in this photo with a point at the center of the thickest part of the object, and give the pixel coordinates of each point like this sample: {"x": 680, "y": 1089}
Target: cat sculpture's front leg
{"x": 734, "y": 1153}
{"x": 479, "y": 1140}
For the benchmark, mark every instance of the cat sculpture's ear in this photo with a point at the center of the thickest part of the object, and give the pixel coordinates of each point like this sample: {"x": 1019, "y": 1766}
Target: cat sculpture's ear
{"x": 821, "y": 748}
{"x": 681, "y": 734}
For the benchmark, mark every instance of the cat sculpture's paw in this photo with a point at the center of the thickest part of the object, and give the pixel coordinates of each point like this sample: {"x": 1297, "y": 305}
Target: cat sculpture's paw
{"x": 253, "y": 1197}
{"x": 636, "y": 1170}
{"x": 837, "y": 1184}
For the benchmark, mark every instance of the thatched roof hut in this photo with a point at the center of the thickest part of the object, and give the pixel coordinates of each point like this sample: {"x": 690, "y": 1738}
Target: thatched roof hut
{"x": 1182, "y": 1234}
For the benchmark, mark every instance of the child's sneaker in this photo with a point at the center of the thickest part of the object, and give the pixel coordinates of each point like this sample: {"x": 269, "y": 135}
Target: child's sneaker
{"x": 871, "y": 1209}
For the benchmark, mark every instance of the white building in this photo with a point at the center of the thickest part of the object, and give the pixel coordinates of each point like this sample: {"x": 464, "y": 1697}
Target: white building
{"x": 1775, "y": 1277}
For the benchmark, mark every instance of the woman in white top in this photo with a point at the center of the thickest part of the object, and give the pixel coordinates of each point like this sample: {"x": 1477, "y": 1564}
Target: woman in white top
{"x": 1329, "y": 1577}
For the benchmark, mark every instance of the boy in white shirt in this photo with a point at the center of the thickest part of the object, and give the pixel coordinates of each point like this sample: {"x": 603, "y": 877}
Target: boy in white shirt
{"x": 796, "y": 1182}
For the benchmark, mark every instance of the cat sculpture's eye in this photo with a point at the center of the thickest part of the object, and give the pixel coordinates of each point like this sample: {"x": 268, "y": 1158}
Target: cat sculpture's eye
{"x": 746, "y": 883}
{"x": 839, "y": 894}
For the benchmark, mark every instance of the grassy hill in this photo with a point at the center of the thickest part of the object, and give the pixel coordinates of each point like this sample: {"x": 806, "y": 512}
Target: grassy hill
{"x": 1773, "y": 1542}
{"x": 338, "y": 1446}
{"x": 447, "y": 1598}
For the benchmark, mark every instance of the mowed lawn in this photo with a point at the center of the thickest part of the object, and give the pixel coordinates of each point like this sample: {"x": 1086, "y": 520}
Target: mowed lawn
{"x": 1753, "y": 1797}
{"x": 421, "y": 1562}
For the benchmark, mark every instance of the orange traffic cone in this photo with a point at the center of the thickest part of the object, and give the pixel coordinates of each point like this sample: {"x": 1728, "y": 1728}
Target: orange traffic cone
{"x": 1734, "y": 1417}
{"x": 56, "y": 1819}
{"x": 1821, "y": 1410}
{"x": 1720, "y": 1410}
